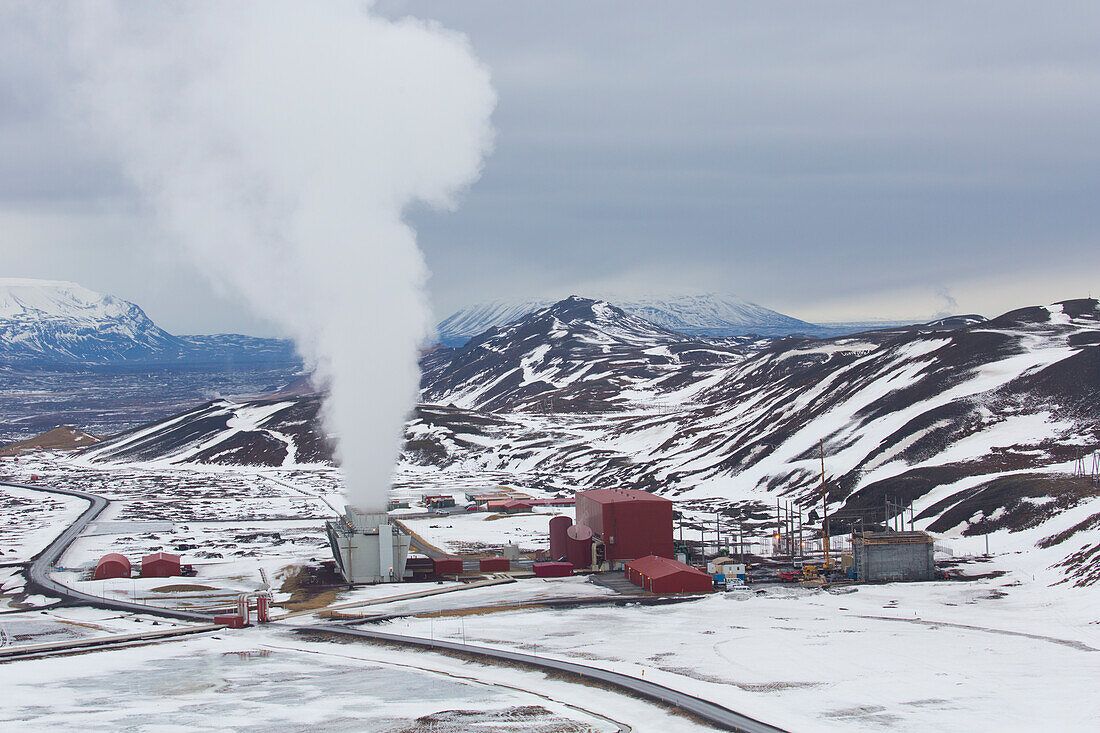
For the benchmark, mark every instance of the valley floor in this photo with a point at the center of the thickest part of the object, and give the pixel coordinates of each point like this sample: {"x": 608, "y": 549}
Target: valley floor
{"x": 1008, "y": 649}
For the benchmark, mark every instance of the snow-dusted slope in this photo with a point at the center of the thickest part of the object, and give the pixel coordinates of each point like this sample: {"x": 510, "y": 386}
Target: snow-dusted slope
{"x": 51, "y": 321}
{"x": 54, "y": 322}
{"x": 267, "y": 432}
{"x": 585, "y": 355}
{"x": 712, "y": 314}
{"x": 709, "y": 314}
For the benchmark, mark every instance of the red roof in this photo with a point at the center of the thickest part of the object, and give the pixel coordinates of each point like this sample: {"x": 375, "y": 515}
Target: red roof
{"x": 165, "y": 556}
{"x": 654, "y": 566}
{"x": 614, "y": 496}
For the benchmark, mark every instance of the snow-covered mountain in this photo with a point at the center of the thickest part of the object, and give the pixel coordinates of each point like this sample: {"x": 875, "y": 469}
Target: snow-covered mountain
{"x": 585, "y": 355}
{"x": 55, "y": 322}
{"x": 708, "y": 314}
{"x": 986, "y": 427}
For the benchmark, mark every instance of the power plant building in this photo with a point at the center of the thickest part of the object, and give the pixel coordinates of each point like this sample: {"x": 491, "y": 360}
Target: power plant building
{"x": 626, "y": 524}
{"x": 892, "y": 556}
{"x": 367, "y": 548}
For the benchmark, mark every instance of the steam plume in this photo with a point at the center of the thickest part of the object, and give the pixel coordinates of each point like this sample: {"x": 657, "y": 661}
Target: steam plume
{"x": 280, "y": 143}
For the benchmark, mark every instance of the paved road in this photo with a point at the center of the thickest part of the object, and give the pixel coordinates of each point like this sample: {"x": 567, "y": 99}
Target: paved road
{"x": 709, "y": 711}
{"x": 38, "y": 573}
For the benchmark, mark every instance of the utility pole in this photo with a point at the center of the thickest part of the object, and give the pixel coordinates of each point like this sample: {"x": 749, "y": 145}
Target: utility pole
{"x": 778, "y": 534}
{"x": 824, "y": 507}
{"x": 801, "y": 545}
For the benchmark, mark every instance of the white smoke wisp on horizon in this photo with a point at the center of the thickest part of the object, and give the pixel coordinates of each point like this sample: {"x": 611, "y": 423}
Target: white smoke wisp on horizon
{"x": 280, "y": 144}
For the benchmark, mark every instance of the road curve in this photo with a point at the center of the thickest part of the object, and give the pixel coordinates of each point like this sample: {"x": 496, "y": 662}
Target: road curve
{"x": 709, "y": 711}
{"x": 38, "y": 572}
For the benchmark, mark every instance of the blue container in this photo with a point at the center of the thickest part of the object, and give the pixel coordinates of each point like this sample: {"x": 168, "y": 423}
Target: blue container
{"x": 719, "y": 578}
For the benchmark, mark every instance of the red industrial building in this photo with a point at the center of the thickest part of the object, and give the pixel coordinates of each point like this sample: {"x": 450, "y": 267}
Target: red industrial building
{"x": 448, "y": 565}
{"x": 552, "y": 569}
{"x": 663, "y": 575}
{"x": 626, "y": 523}
{"x": 494, "y": 565}
{"x": 160, "y": 565}
{"x": 112, "y": 565}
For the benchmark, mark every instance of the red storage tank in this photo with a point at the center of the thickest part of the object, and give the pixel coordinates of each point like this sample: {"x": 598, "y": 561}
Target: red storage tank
{"x": 112, "y": 565}
{"x": 663, "y": 575}
{"x": 494, "y": 564}
{"x": 553, "y": 569}
{"x": 579, "y": 546}
{"x": 160, "y": 565}
{"x": 448, "y": 565}
{"x": 630, "y": 523}
{"x": 559, "y": 527}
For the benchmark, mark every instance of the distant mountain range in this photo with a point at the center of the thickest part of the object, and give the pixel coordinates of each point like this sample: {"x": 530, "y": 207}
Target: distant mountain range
{"x": 711, "y": 314}
{"x": 55, "y": 322}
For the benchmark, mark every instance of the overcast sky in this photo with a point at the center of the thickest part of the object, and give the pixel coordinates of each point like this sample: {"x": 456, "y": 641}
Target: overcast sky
{"x": 834, "y": 161}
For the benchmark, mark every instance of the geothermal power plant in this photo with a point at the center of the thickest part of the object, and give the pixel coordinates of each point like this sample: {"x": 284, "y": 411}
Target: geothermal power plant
{"x": 629, "y": 531}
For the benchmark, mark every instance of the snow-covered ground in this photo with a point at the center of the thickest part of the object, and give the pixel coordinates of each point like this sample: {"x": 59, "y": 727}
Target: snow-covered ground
{"x": 29, "y": 520}
{"x": 275, "y": 680}
{"x": 999, "y": 654}
{"x": 1013, "y": 649}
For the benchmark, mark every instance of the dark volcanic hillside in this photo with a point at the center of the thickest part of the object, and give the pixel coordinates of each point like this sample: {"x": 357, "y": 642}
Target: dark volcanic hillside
{"x": 578, "y": 355}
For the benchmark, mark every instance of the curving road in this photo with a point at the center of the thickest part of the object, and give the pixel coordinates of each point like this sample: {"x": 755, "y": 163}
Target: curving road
{"x": 38, "y": 572}
{"x": 705, "y": 709}
{"x": 39, "y": 578}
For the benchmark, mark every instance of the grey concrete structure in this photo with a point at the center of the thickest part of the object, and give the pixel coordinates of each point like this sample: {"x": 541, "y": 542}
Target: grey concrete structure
{"x": 889, "y": 556}
{"x": 366, "y": 547}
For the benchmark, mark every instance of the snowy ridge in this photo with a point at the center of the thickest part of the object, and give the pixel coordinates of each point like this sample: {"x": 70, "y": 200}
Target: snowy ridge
{"x": 587, "y": 354}
{"x": 709, "y": 314}
{"x": 61, "y": 321}
{"x": 271, "y": 432}
{"x": 54, "y": 322}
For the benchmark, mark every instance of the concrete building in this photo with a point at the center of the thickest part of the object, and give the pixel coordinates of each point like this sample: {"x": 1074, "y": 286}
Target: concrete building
{"x": 889, "y": 556}
{"x": 367, "y": 548}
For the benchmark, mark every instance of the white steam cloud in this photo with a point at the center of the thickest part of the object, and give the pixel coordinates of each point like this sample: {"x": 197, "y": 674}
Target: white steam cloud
{"x": 280, "y": 144}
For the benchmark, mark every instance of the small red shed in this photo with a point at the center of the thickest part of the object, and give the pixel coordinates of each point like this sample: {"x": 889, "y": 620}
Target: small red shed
{"x": 230, "y": 620}
{"x": 553, "y": 569}
{"x": 662, "y": 575}
{"x": 448, "y": 565}
{"x": 495, "y": 564}
{"x": 112, "y": 565}
{"x": 160, "y": 565}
